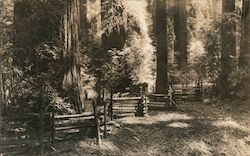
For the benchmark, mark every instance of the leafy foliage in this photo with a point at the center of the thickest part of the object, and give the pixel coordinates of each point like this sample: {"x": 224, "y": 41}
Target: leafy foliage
{"x": 34, "y": 64}
{"x": 38, "y": 79}
{"x": 119, "y": 67}
{"x": 208, "y": 65}
{"x": 239, "y": 82}
{"x": 113, "y": 15}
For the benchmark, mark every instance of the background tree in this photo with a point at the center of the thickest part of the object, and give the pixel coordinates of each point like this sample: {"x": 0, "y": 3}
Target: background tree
{"x": 72, "y": 83}
{"x": 213, "y": 4}
{"x": 125, "y": 56}
{"x": 113, "y": 38}
{"x": 239, "y": 78}
{"x": 180, "y": 29}
{"x": 37, "y": 57}
{"x": 245, "y": 35}
{"x": 228, "y": 43}
{"x": 160, "y": 29}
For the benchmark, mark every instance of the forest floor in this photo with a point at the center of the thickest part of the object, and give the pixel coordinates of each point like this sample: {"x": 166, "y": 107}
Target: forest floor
{"x": 210, "y": 128}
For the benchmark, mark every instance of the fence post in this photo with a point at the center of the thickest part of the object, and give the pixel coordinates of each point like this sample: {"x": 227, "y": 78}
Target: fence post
{"x": 53, "y": 126}
{"x": 42, "y": 131}
{"x": 105, "y": 119}
{"x": 111, "y": 105}
{"x": 145, "y": 105}
{"x": 51, "y": 111}
{"x": 97, "y": 126}
{"x": 42, "y": 116}
{"x": 105, "y": 113}
{"x": 168, "y": 100}
{"x": 201, "y": 89}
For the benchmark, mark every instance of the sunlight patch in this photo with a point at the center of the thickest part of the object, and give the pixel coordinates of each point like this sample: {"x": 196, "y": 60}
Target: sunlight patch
{"x": 230, "y": 123}
{"x": 155, "y": 119}
{"x": 234, "y": 146}
{"x": 92, "y": 146}
{"x": 173, "y": 116}
{"x": 179, "y": 125}
{"x": 109, "y": 146}
{"x": 200, "y": 148}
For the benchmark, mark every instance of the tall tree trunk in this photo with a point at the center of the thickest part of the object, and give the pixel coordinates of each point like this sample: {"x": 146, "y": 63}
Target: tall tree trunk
{"x": 1, "y": 94}
{"x": 180, "y": 30}
{"x": 228, "y": 46}
{"x": 103, "y": 11}
{"x": 84, "y": 23}
{"x": 213, "y": 9}
{"x": 83, "y": 13}
{"x": 162, "y": 49}
{"x": 72, "y": 80}
{"x": 244, "y": 59}
{"x": 1, "y": 76}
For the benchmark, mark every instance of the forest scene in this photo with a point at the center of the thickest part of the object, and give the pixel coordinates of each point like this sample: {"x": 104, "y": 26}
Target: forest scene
{"x": 125, "y": 77}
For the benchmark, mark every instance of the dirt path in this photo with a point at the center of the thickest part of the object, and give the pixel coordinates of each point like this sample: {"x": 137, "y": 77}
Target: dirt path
{"x": 201, "y": 129}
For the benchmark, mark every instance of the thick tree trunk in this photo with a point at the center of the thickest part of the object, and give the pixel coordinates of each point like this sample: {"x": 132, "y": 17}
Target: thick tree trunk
{"x": 244, "y": 59}
{"x": 162, "y": 49}
{"x": 72, "y": 80}
{"x": 228, "y": 40}
{"x": 180, "y": 30}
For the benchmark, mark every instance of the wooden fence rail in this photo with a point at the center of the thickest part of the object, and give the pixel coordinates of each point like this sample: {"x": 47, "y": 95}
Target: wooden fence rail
{"x": 20, "y": 133}
{"x": 163, "y": 101}
{"x": 78, "y": 124}
{"x": 127, "y": 106}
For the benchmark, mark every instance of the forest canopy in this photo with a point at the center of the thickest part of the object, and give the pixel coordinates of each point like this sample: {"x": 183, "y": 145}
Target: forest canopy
{"x": 60, "y": 51}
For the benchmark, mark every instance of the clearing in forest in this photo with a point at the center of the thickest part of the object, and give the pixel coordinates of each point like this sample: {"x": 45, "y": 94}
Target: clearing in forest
{"x": 214, "y": 128}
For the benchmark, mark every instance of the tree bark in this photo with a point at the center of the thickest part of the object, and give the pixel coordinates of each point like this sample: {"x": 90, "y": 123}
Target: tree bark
{"x": 1, "y": 76}
{"x": 180, "y": 30}
{"x": 245, "y": 35}
{"x": 72, "y": 80}
{"x": 228, "y": 40}
{"x": 1, "y": 94}
{"x": 162, "y": 49}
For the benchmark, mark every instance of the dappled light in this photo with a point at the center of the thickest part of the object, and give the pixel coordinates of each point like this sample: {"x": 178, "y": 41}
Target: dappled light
{"x": 229, "y": 123}
{"x": 155, "y": 119}
{"x": 107, "y": 147}
{"x": 200, "y": 148}
{"x": 146, "y": 51}
{"x": 125, "y": 77}
{"x": 235, "y": 145}
{"x": 179, "y": 125}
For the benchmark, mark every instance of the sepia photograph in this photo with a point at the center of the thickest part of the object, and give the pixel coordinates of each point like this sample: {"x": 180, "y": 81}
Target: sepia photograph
{"x": 125, "y": 77}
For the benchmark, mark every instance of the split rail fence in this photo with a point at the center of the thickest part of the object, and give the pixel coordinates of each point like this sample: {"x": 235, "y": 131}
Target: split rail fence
{"x": 19, "y": 135}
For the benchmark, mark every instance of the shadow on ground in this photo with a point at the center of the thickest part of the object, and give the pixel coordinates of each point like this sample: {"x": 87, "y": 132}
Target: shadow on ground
{"x": 174, "y": 134}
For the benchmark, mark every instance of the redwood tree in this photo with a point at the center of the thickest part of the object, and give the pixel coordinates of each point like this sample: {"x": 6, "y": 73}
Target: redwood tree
{"x": 245, "y": 36}
{"x": 162, "y": 49}
{"x": 180, "y": 30}
{"x": 1, "y": 94}
{"x": 72, "y": 83}
{"x": 228, "y": 44}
